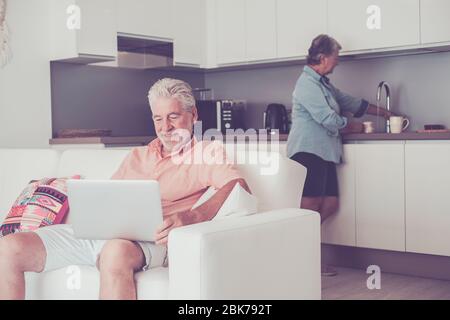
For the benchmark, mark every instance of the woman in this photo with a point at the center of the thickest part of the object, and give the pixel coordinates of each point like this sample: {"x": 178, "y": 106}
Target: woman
{"x": 317, "y": 124}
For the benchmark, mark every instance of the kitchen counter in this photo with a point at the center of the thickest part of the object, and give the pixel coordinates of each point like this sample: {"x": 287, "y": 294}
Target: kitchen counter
{"x": 144, "y": 140}
{"x": 107, "y": 141}
{"x": 128, "y": 141}
{"x": 397, "y": 136}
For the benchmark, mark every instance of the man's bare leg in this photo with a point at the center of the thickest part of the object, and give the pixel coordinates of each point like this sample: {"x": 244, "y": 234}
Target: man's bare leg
{"x": 118, "y": 262}
{"x": 19, "y": 253}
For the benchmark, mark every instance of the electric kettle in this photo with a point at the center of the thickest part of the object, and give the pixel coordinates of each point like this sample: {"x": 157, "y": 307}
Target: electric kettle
{"x": 276, "y": 117}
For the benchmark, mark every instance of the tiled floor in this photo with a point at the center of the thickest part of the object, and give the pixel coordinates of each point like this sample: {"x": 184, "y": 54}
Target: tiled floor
{"x": 351, "y": 284}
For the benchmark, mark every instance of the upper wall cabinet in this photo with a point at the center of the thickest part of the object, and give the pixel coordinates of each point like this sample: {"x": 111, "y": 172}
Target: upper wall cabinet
{"x": 298, "y": 22}
{"x": 151, "y": 18}
{"x": 230, "y": 31}
{"x": 434, "y": 21}
{"x": 374, "y": 24}
{"x": 245, "y": 30}
{"x": 189, "y": 32}
{"x": 261, "y": 29}
{"x": 84, "y": 30}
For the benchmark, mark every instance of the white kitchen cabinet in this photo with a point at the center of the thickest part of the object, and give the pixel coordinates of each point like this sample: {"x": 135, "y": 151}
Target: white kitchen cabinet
{"x": 230, "y": 31}
{"x": 348, "y": 22}
{"x": 189, "y": 32}
{"x": 298, "y": 23}
{"x": 261, "y": 29}
{"x": 427, "y": 178}
{"x": 211, "y": 35}
{"x": 150, "y": 18}
{"x": 380, "y": 195}
{"x": 434, "y": 21}
{"x": 84, "y": 30}
{"x": 246, "y": 30}
{"x": 340, "y": 227}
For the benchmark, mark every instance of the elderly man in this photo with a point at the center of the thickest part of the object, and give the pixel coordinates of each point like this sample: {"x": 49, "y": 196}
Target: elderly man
{"x": 181, "y": 183}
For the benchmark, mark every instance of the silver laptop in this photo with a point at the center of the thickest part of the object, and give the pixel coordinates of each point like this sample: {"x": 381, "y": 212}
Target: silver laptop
{"x": 115, "y": 209}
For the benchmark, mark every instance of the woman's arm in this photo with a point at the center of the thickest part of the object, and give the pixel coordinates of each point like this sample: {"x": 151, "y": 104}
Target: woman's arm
{"x": 312, "y": 98}
{"x": 357, "y": 127}
{"x": 378, "y": 111}
{"x": 352, "y": 127}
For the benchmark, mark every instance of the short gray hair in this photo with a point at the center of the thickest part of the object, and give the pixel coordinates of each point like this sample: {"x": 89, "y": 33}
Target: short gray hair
{"x": 322, "y": 46}
{"x": 172, "y": 88}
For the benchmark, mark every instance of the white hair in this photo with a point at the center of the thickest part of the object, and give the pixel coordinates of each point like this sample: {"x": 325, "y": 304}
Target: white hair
{"x": 322, "y": 46}
{"x": 172, "y": 88}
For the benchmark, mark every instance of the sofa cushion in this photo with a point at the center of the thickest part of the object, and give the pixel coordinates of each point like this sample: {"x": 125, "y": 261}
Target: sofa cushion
{"x": 152, "y": 284}
{"x": 91, "y": 163}
{"x": 83, "y": 283}
{"x": 20, "y": 166}
{"x": 274, "y": 179}
{"x": 238, "y": 203}
{"x": 42, "y": 203}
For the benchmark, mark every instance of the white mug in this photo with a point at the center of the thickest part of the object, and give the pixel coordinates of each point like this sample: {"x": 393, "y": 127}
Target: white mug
{"x": 368, "y": 127}
{"x": 398, "y": 124}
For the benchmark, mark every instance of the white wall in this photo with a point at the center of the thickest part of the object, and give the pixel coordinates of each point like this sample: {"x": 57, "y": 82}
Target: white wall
{"x": 25, "y": 104}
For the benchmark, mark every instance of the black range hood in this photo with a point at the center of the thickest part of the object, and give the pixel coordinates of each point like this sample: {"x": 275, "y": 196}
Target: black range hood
{"x": 140, "y": 52}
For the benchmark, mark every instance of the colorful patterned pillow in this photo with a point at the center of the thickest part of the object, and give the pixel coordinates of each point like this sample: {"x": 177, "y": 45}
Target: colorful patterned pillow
{"x": 42, "y": 203}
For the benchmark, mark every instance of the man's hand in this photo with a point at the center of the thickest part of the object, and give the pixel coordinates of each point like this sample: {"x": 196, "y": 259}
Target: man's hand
{"x": 203, "y": 212}
{"x": 174, "y": 221}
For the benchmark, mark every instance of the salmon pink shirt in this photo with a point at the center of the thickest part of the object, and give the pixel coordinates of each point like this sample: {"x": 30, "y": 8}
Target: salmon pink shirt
{"x": 183, "y": 175}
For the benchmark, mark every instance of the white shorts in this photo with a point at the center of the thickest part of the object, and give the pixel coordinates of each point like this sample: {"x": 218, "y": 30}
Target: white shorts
{"x": 63, "y": 249}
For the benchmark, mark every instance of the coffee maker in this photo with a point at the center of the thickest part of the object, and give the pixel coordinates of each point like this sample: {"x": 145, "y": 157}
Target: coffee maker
{"x": 276, "y": 117}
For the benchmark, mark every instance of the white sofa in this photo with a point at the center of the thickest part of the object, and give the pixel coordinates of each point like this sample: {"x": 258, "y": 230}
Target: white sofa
{"x": 274, "y": 254}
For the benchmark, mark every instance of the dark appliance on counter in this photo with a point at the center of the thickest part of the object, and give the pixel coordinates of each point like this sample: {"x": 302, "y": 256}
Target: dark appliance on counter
{"x": 276, "y": 117}
{"x": 221, "y": 114}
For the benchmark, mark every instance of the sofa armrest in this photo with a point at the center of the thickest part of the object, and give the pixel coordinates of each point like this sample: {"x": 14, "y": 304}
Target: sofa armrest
{"x": 270, "y": 255}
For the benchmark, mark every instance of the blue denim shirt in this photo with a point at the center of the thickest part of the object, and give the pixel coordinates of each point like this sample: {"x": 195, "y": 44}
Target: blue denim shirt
{"x": 316, "y": 116}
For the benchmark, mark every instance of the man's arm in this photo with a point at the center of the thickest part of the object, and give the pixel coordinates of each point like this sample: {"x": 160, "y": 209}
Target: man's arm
{"x": 208, "y": 210}
{"x": 204, "y": 212}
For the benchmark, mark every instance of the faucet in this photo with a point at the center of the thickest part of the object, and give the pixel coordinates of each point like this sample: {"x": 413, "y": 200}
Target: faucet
{"x": 384, "y": 84}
